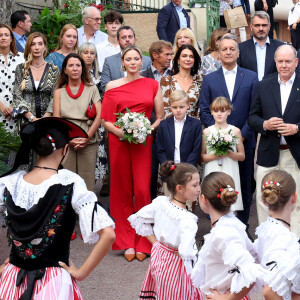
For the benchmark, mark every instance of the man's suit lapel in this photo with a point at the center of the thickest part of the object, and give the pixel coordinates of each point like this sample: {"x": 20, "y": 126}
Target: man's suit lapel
{"x": 119, "y": 65}
{"x": 269, "y": 56}
{"x": 276, "y": 95}
{"x": 185, "y": 128}
{"x": 223, "y": 83}
{"x": 252, "y": 55}
{"x": 175, "y": 14}
{"x": 171, "y": 128}
{"x": 240, "y": 74}
{"x": 295, "y": 92}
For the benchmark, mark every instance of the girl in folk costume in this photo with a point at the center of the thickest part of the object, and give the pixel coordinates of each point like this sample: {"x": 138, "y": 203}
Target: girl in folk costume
{"x": 226, "y": 267}
{"x": 220, "y": 109}
{"x": 277, "y": 247}
{"x": 40, "y": 210}
{"x": 173, "y": 236}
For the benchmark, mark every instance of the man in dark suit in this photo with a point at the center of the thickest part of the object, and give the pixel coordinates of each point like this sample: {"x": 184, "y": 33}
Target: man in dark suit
{"x": 112, "y": 64}
{"x": 161, "y": 53}
{"x": 238, "y": 85}
{"x": 21, "y": 25}
{"x": 170, "y": 19}
{"x": 257, "y": 54}
{"x": 275, "y": 114}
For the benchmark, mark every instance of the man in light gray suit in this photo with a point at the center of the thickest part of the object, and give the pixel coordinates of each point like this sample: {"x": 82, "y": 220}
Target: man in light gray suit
{"x": 112, "y": 64}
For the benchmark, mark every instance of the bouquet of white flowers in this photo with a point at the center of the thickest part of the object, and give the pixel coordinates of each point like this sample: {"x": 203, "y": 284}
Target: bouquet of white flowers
{"x": 135, "y": 125}
{"x": 220, "y": 142}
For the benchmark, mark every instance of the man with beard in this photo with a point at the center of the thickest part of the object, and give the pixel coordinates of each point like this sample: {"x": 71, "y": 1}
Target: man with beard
{"x": 257, "y": 54}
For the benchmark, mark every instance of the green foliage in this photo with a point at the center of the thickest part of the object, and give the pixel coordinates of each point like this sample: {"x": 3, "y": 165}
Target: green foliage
{"x": 8, "y": 142}
{"x": 50, "y": 22}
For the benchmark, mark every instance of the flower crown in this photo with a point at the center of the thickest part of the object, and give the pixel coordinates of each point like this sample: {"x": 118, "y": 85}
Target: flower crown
{"x": 270, "y": 182}
{"x": 230, "y": 189}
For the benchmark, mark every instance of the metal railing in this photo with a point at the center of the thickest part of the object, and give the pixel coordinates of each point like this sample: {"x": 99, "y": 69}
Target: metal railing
{"x": 212, "y": 13}
{"x": 135, "y": 5}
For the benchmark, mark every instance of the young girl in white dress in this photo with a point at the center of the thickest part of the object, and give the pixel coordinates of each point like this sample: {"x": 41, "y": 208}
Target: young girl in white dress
{"x": 220, "y": 109}
{"x": 277, "y": 247}
{"x": 226, "y": 262}
{"x": 172, "y": 235}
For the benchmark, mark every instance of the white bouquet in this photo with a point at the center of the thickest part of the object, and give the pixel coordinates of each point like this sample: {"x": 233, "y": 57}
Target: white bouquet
{"x": 220, "y": 142}
{"x": 135, "y": 125}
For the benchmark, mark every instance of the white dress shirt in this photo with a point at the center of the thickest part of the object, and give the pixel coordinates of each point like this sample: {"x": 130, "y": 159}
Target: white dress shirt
{"x": 178, "y": 131}
{"x": 261, "y": 57}
{"x": 294, "y": 14}
{"x": 106, "y": 49}
{"x": 285, "y": 90}
{"x": 230, "y": 77}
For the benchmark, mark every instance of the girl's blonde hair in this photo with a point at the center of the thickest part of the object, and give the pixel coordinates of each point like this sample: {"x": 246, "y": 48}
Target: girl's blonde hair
{"x": 220, "y": 103}
{"x": 190, "y": 34}
{"x": 277, "y": 188}
{"x": 62, "y": 32}
{"x": 28, "y": 55}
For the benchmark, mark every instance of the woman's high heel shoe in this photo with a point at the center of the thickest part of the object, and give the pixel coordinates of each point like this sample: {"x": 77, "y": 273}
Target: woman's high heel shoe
{"x": 140, "y": 256}
{"x": 129, "y": 256}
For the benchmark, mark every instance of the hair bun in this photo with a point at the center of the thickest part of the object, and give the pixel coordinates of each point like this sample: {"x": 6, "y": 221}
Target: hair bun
{"x": 167, "y": 168}
{"x": 270, "y": 193}
{"x": 43, "y": 146}
{"x": 228, "y": 196}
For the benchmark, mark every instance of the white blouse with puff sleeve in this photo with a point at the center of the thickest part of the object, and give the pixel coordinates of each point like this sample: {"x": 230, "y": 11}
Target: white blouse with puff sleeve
{"x": 25, "y": 195}
{"x": 173, "y": 226}
{"x": 279, "y": 251}
{"x": 226, "y": 260}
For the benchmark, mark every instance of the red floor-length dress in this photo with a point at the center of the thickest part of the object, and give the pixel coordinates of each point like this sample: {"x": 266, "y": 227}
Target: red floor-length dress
{"x": 130, "y": 163}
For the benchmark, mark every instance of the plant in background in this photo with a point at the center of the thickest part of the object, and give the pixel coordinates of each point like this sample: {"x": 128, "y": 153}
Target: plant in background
{"x": 64, "y": 12}
{"x": 8, "y": 142}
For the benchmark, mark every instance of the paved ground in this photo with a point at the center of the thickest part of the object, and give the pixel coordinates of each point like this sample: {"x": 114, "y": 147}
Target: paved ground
{"x": 115, "y": 278}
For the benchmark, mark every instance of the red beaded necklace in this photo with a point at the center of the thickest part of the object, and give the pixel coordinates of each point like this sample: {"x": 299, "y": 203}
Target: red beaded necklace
{"x": 81, "y": 88}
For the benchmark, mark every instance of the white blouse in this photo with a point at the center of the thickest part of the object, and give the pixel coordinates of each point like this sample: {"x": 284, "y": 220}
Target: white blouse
{"x": 226, "y": 260}
{"x": 173, "y": 226}
{"x": 279, "y": 251}
{"x": 25, "y": 195}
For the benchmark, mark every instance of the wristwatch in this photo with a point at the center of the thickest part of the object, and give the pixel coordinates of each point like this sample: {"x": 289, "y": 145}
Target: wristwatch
{"x": 31, "y": 119}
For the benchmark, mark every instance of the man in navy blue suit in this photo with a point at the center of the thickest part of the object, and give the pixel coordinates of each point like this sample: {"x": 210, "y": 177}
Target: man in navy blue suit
{"x": 275, "y": 114}
{"x": 170, "y": 19}
{"x": 257, "y": 53}
{"x": 21, "y": 25}
{"x": 238, "y": 85}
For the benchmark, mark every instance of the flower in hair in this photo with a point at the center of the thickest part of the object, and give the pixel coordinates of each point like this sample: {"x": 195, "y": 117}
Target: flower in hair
{"x": 237, "y": 192}
{"x": 221, "y": 190}
{"x": 52, "y": 141}
{"x": 271, "y": 182}
{"x": 219, "y": 196}
{"x": 172, "y": 167}
{"x": 230, "y": 188}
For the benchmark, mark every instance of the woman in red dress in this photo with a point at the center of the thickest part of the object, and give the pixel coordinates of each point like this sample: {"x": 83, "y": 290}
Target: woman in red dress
{"x": 130, "y": 163}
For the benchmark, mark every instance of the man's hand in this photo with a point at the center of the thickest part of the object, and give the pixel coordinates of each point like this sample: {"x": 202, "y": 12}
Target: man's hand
{"x": 265, "y": 8}
{"x": 287, "y": 129}
{"x": 273, "y": 123}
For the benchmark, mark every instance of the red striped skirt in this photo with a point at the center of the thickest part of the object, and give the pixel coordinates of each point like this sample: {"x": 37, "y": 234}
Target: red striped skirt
{"x": 166, "y": 278}
{"x": 56, "y": 284}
